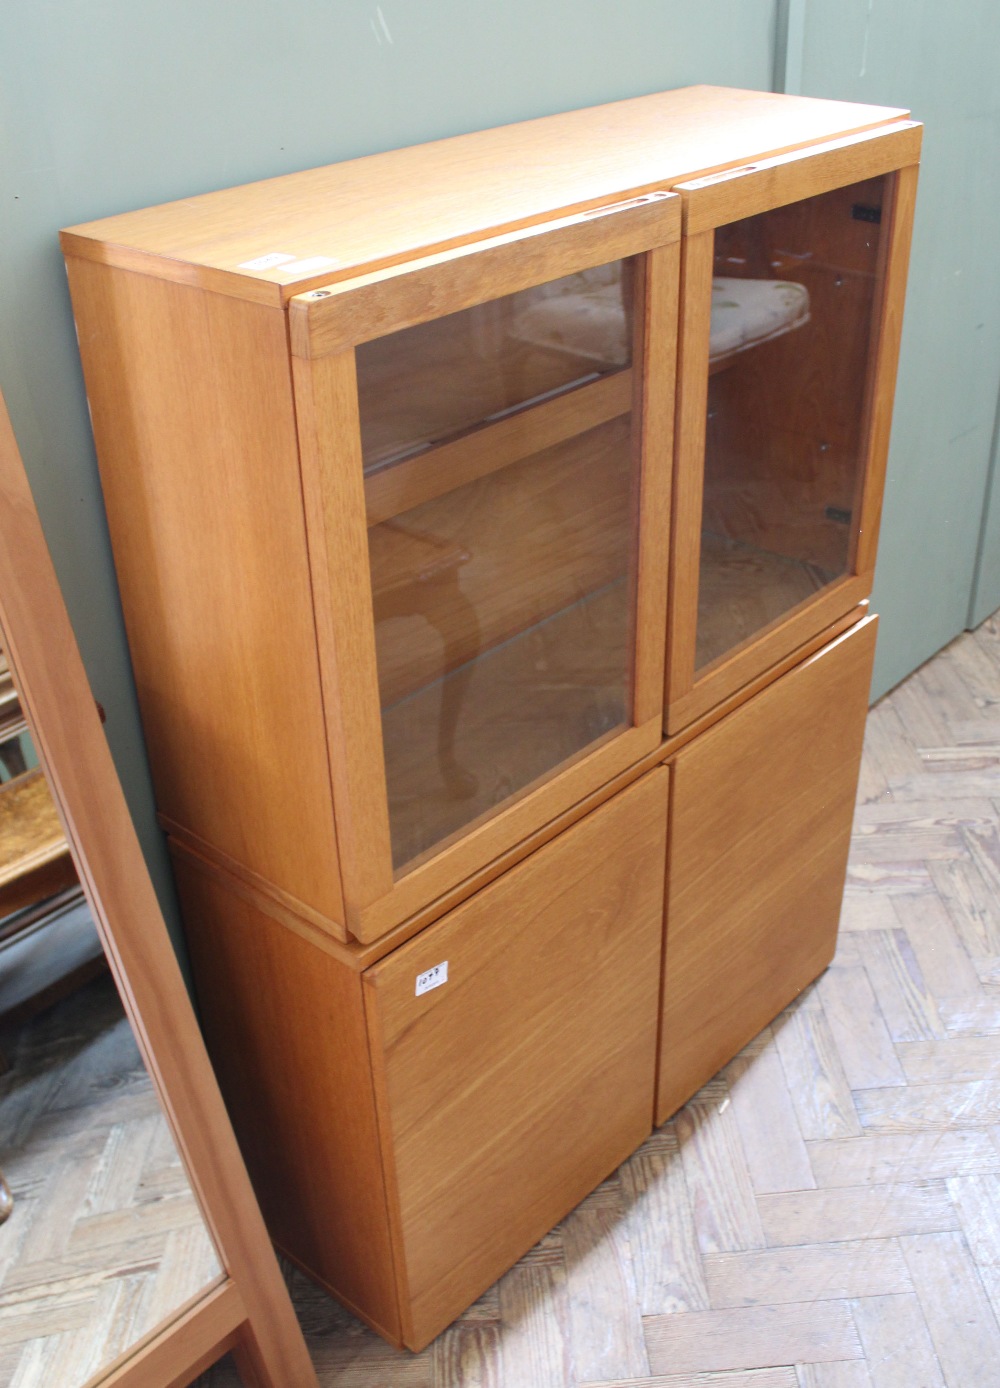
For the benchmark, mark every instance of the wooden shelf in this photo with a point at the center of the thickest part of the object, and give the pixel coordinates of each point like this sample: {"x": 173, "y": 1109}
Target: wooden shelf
{"x": 423, "y": 386}
{"x": 486, "y": 561}
{"x": 403, "y": 485}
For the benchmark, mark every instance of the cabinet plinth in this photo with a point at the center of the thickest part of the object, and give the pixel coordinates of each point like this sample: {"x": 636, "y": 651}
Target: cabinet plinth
{"x": 495, "y": 521}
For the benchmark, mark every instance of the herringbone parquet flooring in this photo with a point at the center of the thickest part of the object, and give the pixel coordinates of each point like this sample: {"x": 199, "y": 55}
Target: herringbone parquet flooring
{"x": 825, "y": 1213}
{"x": 105, "y": 1239}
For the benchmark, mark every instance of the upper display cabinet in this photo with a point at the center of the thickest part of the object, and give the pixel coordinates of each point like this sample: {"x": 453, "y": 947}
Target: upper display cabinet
{"x": 483, "y": 444}
{"x": 443, "y": 481}
{"x": 794, "y": 273}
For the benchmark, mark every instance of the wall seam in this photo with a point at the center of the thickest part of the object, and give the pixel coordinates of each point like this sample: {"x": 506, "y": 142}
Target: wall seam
{"x": 789, "y": 45}
{"x": 971, "y": 620}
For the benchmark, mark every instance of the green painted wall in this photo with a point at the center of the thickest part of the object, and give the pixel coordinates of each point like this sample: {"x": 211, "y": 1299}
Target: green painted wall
{"x": 941, "y": 61}
{"x": 986, "y": 589}
{"x": 115, "y": 104}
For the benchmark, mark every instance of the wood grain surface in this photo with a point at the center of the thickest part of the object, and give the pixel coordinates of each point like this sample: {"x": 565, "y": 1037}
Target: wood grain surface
{"x": 760, "y": 828}
{"x": 191, "y": 401}
{"x": 461, "y": 189}
{"x": 922, "y": 880}
{"x": 293, "y": 1060}
{"x": 731, "y": 1178}
{"x": 508, "y": 1092}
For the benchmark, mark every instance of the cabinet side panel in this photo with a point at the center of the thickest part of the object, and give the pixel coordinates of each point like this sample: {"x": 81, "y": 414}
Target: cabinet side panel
{"x": 513, "y": 1088}
{"x": 284, "y": 1023}
{"x": 191, "y": 402}
{"x": 760, "y": 829}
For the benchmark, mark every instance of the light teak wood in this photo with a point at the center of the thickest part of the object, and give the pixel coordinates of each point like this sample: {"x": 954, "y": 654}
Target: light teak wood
{"x": 499, "y": 1099}
{"x": 354, "y": 590}
{"x": 768, "y": 183}
{"x": 67, "y": 733}
{"x": 425, "y": 1141}
{"x": 726, "y": 198}
{"x": 191, "y": 401}
{"x": 333, "y": 491}
{"x": 760, "y": 827}
{"x": 511, "y": 1090}
{"x": 325, "y": 321}
{"x": 458, "y": 190}
{"x": 237, "y": 505}
{"x": 360, "y": 956}
{"x": 293, "y": 1060}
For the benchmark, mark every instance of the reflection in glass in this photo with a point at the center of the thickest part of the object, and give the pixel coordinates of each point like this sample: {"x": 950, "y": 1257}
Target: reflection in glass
{"x": 792, "y": 311}
{"x": 104, "y": 1240}
{"x": 500, "y": 464}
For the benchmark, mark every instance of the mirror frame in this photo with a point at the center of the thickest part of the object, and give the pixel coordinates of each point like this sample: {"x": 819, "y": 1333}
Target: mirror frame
{"x": 247, "y": 1309}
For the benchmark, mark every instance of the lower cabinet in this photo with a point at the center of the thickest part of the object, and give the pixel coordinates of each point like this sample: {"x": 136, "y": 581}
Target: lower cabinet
{"x": 414, "y": 1126}
{"x": 761, "y": 813}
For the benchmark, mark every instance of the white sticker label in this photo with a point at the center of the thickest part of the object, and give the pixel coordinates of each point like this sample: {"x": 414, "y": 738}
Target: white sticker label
{"x": 266, "y": 262}
{"x": 308, "y": 267}
{"x": 432, "y": 978}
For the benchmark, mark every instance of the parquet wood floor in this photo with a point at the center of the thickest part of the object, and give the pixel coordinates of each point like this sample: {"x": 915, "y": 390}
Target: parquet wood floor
{"x": 823, "y": 1214}
{"x": 826, "y": 1212}
{"x": 105, "y": 1239}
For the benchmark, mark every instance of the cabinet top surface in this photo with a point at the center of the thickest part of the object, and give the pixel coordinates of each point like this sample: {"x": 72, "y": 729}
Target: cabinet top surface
{"x": 332, "y": 223}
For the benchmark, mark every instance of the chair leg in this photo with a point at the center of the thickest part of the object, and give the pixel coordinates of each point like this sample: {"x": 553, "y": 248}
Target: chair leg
{"x": 6, "y": 1199}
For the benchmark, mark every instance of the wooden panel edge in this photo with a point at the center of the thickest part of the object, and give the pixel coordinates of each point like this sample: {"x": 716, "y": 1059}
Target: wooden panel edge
{"x": 264, "y": 901}
{"x": 783, "y": 636}
{"x": 75, "y": 247}
{"x": 689, "y": 465}
{"x": 654, "y": 408}
{"x": 260, "y": 886}
{"x": 326, "y": 405}
{"x": 344, "y": 313}
{"x": 183, "y": 1346}
{"x": 446, "y": 466}
{"x": 889, "y": 338}
{"x": 390, "y": 1336}
{"x": 757, "y": 187}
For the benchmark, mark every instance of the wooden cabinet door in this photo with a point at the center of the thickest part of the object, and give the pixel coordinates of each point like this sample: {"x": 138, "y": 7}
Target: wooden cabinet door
{"x": 760, "y": 827}
{"x": 486, "y": 451}
{"x": 524, "y": 1073}
{"x": 791, "y": 308}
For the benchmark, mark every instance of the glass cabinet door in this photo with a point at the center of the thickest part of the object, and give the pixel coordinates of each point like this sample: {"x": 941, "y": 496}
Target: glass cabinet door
{"x": 791, "y": 311}
{"x": 501, "y": 462}
{"x": 792, "y": 315}
{"x": 486, "y": 445}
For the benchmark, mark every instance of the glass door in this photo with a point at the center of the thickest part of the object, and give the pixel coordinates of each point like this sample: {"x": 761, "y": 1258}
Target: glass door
{"x": 501, "y": 467}
{"x": 794, "y": 291}
{"x": 513, "y": 471}
{"x": 790, "y": 368}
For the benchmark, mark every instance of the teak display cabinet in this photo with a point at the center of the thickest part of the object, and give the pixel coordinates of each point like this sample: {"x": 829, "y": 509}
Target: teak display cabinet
{"x": 495, "y": 521}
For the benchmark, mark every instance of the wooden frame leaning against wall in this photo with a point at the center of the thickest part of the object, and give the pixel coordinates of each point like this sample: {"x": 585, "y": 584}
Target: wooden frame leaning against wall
{"x": 247, "y": 1310}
